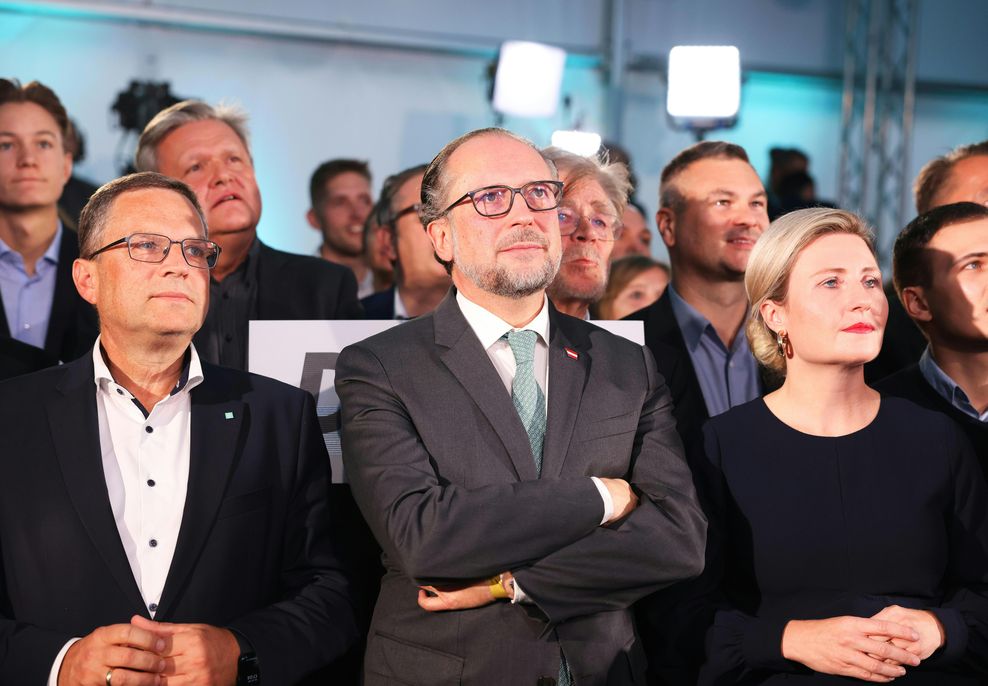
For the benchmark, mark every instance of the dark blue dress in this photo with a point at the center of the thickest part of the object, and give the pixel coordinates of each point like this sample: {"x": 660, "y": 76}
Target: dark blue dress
{"x": 809, "y": 527}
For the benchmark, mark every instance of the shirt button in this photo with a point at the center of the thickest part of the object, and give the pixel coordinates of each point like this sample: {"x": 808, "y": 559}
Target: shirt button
{"x": 153, "y": 543}
{"x": 119, "y": 391}
{"x": 27, "y": 326}
{"x": 226, "y": 296}
{"x": 153, "y": 607}
{"x": 228, "y": 338}
{"x": 151, "y": 483}
{"x": 149, "y": 429}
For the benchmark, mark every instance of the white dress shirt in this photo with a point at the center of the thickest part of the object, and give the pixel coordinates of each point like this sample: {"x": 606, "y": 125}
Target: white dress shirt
{"x": 146, "y": 466}
{"x": 490, "y": 329}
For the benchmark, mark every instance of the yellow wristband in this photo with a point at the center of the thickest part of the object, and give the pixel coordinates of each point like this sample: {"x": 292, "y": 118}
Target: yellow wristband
{"x": 496, "y": 588}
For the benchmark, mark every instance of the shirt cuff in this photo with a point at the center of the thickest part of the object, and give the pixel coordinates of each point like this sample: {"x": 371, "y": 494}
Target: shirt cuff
{"x": 57, "y": 665}
{"x": 605, "y": 495}
{"x": 520, "y": 595}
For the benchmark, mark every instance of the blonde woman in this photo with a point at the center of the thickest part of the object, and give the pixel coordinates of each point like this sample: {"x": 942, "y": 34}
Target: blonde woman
{"x": 848, "y": 530}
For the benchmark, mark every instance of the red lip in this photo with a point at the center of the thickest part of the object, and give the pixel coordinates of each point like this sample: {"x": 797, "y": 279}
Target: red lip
{"x": 861, "y": 327}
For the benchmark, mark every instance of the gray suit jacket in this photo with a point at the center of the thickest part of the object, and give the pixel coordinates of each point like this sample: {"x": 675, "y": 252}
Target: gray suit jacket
{"x": 441, "y": 468}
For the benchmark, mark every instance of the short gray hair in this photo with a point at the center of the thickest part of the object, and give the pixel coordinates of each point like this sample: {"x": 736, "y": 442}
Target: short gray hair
{"x": 612, "y": 176}
{"x": 94, "y": 215}
{"x": 179, "y": 114}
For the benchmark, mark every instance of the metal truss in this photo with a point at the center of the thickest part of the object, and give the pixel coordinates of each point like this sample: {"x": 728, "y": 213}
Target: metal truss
{"x": 877, "y": 113}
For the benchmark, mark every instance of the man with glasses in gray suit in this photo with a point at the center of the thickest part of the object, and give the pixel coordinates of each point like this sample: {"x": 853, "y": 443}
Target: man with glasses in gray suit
{"x": 520, "y": 468}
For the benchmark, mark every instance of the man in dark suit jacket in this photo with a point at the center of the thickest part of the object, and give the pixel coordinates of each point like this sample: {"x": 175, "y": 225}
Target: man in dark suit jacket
{"x": 206, "y": 147}
{"x": 958, "y": 176}
{"x": 524, "y": 498}
{"x": 941, "y": 275}
{"x": 420, "y": 281}
{"x": 36, "y": 249}
{"x": 168, "y": 489}
{"x": 713, "y": 209}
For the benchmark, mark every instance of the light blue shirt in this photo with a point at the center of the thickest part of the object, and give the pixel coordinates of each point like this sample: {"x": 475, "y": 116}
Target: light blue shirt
{"x": 947, "y": 387}
{"x": 27, "y": 299}
{"x": 727, "y": 377}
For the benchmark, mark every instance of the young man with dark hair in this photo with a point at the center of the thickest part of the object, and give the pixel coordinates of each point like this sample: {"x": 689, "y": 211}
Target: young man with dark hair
{"x": 39, "y": 304}
{"x": 960, "y": 175}
{"x": 940, "y": 266}
{"x": 340, "y": 193}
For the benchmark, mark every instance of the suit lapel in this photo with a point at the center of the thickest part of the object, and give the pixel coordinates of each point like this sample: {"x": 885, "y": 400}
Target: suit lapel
{"x": 61, "y": 316}
{"x": 468, "y": 362}
{"x": 567, "y": 380}
{"x": 218, "y": 428}
{"x": 74, "y": 425}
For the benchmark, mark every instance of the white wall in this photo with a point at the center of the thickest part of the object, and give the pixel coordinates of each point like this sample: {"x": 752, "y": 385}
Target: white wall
{"x": 310, "y": 100}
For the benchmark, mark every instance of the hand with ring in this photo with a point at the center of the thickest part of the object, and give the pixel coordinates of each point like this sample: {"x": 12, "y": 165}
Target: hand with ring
{"x": 121, "y": 653}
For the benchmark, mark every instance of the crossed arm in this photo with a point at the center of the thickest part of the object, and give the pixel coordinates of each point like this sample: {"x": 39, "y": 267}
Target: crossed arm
{"x": 547, "y": 531}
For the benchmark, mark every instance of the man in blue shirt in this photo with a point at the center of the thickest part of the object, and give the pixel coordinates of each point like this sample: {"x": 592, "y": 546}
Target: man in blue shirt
{"x": 40, "y": 305}
{"x": 940, "y": 270}
{"x": 712, "y": 210}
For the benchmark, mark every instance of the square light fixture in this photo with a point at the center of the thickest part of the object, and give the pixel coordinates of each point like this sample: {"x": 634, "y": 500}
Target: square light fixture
{"x": 704, "y": 87}
{"x": 528, "y": 79}
{"x": 583, "y": 143}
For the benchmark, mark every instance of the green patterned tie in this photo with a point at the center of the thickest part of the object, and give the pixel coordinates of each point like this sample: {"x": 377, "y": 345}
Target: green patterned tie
{"x": 526, "y": 395}
{"x": 529, "y": 401}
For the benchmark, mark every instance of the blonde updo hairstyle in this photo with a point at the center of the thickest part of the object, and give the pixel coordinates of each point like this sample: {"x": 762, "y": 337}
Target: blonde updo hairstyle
{"x": 771, "y": 262}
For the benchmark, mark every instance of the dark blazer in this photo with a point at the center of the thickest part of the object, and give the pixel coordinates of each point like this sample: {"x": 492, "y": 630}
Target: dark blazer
{"x": 304, "y": 287}
{"x": 442, "y": 469}
{"x": 902, "y": 345}
{"x": 254, "y": 551}
{"x": 911, "y": 384}
{"x": 18, "y": 358}
{"x": 673, "y": 622}
{"x": 380, "y": 305}
{"x": 72, "y": 324}
{"x": 665, "y": 339}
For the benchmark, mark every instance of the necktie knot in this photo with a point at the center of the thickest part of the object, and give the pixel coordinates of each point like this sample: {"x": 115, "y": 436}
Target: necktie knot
{"x": 522, "y": 345}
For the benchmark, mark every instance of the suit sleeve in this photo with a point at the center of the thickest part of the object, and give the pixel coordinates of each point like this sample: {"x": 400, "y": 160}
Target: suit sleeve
{"x": 440, "y": 531}
{"x": 27, "y": 652}
{"x": 313, "y": 621}
{"x": 661, "y": 542}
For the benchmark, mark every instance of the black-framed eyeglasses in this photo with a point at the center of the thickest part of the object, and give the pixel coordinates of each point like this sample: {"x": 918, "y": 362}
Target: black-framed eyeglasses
{"x": 416, "y": 208}
{"x": 603, "y": 226}
{"x": 496, "y": 201}
{"x": 154, "y": 248}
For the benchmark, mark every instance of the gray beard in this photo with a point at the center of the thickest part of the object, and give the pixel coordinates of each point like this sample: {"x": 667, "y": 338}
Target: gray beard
{"x": 498, "y": 280}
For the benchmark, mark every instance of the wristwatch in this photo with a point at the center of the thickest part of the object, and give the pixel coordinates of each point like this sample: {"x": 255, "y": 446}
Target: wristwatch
{"x": 248, "y": 670}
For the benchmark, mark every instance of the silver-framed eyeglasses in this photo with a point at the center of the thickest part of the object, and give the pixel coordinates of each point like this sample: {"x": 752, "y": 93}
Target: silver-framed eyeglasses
{"x": 603, "y": 226}
{"x": 496, "y": 201}
{"x": 154, "y": 248}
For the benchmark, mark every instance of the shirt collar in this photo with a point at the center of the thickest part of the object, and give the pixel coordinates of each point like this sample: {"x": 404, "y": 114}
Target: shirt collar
{"x": 692, "y": 324}
{"x": 490, "y": 328}
{"x": 51, "y": 254}
{"x": 190, "y": 377}
{"x": 400, "y": 311}
{"x": 947, "y": 387}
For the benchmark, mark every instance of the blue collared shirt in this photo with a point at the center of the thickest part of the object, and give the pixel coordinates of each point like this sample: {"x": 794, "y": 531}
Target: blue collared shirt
{"x": 727, "y": 377}
{"x": 27, "y": 299}
{"x": 947, "y": 387}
